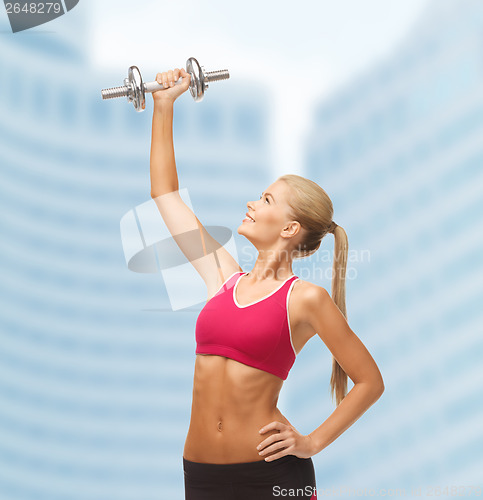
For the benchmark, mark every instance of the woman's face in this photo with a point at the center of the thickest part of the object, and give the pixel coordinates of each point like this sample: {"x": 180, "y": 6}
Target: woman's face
{"x": 271, "y": 217}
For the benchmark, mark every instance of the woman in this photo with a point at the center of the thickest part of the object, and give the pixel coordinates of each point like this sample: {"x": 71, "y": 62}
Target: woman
{"x": 239, "y": 445}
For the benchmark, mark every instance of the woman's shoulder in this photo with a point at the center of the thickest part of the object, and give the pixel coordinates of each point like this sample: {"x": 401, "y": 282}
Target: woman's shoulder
{"x": 305, "y": 292}
{"x": 305, "y": 296}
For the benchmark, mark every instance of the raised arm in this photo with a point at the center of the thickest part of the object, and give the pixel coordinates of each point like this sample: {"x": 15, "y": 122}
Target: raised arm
{"x": 164, "y": 177}
{"x": 208, "y": 257}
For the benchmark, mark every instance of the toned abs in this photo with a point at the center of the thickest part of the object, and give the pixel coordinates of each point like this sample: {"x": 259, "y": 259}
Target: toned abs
{"x": 232, "y": 402}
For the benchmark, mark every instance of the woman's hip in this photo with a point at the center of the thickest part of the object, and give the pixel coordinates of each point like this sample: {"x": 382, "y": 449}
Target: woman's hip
{"x": 253, "y": 480}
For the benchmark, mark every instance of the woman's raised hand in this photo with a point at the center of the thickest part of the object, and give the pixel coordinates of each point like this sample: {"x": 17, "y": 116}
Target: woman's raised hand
{"x": 171, "y": 91}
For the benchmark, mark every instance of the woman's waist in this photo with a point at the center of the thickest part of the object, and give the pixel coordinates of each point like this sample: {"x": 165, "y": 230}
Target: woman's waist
{"x": 231, "y": 421}
{"x": 233, "y": 412}
{"x": 223, "y": 446}
{"x": 228, "y": 438}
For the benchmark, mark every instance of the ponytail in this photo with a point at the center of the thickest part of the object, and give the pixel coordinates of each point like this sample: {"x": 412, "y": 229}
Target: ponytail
{"x": 338, "y": 379}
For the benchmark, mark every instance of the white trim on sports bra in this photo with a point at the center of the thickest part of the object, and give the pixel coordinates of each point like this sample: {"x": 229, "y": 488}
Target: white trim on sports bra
{"x": 288, "y": 317}
{"x": 259, "y": 300}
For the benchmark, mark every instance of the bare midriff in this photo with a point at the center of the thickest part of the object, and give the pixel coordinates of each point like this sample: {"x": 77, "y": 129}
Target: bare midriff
{"x": 231, "y": 403}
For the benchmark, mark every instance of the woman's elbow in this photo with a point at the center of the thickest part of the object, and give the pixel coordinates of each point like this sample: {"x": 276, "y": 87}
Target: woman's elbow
{"x": 378, "y": 387}
{"x": 381, "y": 389}
{"x": 375, "y": 387}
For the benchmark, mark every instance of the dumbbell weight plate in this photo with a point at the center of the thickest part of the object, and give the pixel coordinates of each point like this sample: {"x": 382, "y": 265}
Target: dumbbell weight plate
{"x": 136, "y": 95}
{"x": 197, "y": 82}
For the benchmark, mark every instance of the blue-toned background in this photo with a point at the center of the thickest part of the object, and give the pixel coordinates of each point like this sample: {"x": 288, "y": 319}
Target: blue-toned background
{"x": 381, "y": 104}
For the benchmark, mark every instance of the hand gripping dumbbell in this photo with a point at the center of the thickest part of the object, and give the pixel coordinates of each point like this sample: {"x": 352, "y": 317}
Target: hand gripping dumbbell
{"x": 135, "y": 89}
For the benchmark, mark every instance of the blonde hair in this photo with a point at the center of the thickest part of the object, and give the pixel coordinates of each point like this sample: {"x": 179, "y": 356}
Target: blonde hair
{"x": 311, "y": 206}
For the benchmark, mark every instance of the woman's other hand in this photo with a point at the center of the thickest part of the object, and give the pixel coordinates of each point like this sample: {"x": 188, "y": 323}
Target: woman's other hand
{"x": 288, "y": 441}
{"x": 171, "y": 92}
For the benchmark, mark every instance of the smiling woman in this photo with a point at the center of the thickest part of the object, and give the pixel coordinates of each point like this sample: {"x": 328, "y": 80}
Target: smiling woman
{"x": 253, "y": 326}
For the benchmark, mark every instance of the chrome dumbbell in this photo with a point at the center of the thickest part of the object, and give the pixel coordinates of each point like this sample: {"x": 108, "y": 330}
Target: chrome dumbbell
{"x": 135, "y": 89}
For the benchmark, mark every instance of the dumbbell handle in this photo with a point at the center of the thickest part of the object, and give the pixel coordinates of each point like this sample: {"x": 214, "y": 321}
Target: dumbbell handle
{"x": 155, "y": 86}
{"x": 123, "y": 91}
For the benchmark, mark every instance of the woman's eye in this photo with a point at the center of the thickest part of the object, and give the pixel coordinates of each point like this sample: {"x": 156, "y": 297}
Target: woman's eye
{"x": 266, "y": 198}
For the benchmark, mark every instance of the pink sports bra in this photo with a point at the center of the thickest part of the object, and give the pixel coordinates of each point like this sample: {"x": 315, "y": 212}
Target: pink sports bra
{"x": 256, "y": 334}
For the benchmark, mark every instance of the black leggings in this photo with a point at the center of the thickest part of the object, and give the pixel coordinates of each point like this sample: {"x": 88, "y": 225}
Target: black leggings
{"x": 285, "y": 477}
